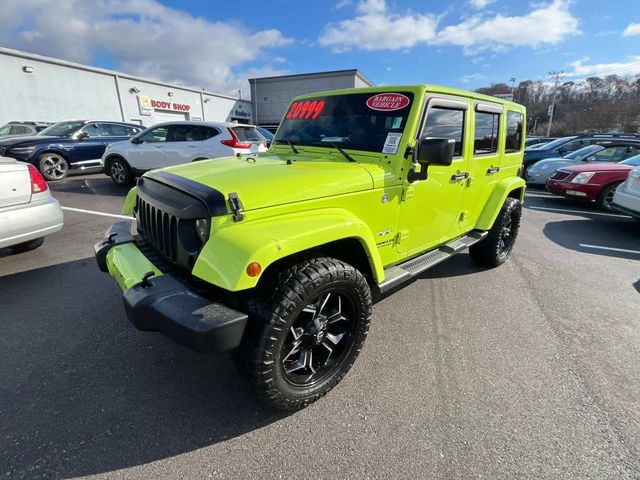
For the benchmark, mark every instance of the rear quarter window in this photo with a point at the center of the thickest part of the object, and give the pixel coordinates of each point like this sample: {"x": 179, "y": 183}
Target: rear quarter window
{"x": 513, "y": 139}
{"x": 247, "y": 134}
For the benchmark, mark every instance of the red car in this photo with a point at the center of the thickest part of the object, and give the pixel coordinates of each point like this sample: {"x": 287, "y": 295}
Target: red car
{"x": 595, "y": 181}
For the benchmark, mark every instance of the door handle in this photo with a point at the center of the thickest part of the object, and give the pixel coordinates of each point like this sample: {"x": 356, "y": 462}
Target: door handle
{"x": 493, "y": 170}
{"x": 459, "y": 176}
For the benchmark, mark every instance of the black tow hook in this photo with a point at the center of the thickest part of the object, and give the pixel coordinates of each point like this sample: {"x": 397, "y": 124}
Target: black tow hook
{"x": 110, "y": 238}
{"x": 145, "y": 279}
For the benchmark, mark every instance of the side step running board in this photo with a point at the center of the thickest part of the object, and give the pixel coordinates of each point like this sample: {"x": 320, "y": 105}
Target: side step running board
{"x": 394, "y": 276}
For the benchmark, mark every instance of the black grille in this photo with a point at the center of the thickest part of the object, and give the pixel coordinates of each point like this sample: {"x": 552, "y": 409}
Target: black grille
{"x": 559, "y": 175}
{"x": 158, "y": 228}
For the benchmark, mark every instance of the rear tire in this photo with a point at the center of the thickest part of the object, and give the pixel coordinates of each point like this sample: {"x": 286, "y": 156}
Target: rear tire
{"x": 120, "y": 172}
{"x": 306, "y": 331}
{"x": 603, "y": 202}
{"x": 28, "y": 246}
{"x": 496, "y": 247}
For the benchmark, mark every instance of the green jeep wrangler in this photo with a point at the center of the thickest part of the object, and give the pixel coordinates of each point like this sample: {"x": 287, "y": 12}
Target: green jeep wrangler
{"x": 276, "y": 256}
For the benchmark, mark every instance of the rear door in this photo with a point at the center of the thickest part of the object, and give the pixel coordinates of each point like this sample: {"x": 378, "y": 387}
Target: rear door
{"x": 15, "y": 183}
{"x": 484, "y": 164}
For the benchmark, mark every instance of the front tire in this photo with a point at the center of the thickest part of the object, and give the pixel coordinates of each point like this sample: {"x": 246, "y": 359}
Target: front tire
{"x": 53, "y": 166}
{"x": 605, "y": 197}
{"x": 119, "y": 171}
{"x": 307, "y": 331}
{"x": 496, "y": 247}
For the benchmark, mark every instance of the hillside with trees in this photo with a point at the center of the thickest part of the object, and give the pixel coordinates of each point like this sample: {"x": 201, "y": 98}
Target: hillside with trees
{"x": 599, "y": 105}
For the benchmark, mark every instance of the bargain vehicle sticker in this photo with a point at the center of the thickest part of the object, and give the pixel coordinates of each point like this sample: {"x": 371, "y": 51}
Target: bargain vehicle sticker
{"x": 392, "y": 142}
{"x": 386, "y": 102}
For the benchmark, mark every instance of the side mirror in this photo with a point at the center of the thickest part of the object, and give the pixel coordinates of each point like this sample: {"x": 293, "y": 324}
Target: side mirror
{"x": 590, "y": 158}
{"x": 431, "y": 151}
{"x": 136, "y": 140}
{"x": 82, "y": 136}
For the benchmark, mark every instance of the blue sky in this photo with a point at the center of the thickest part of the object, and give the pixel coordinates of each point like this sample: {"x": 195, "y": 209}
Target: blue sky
{"x": 218, "y": 45}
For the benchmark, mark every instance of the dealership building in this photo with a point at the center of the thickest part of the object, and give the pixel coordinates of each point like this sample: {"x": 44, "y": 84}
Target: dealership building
{"x": 39, "y": 88}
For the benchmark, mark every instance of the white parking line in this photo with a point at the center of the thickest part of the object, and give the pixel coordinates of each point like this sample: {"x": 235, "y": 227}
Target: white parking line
{"x": 581, "y": 212}
{"x": 93, "y": 212}
{"x": 613, "y": 249}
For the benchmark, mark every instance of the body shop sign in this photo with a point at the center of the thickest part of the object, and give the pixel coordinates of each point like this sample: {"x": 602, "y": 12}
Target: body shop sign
{"x": 387, "y": 101}
{"x": 148, "y": 105}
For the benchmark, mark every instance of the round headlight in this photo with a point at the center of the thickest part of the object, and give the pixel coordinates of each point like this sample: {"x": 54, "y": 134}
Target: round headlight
{"x": 202, "y": 229}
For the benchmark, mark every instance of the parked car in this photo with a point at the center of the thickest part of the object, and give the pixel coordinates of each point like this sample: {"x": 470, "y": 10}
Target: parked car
{"x": 28, "y": 212}
{"x": 14, "y": 129}
{"x": 173, "y": 143}
{"x": 536, "y": 146}
{"x": 531, "y": 141}
{"x": 594, "y": 182}
{"x": 609, "y": 151}
{"x": 76, "y": 144}
{"x": 626, "y": 199}
{"x": 271, "y": 128}
{"x": 565, "y": 145}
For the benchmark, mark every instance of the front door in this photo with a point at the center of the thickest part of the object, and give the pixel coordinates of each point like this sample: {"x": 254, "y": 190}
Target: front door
{"x": 88, "y": 151}
{"x": 150, "y": 153}
{"x": 430, "y": 208}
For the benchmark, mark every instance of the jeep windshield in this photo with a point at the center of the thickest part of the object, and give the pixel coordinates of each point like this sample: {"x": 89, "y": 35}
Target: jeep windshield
{"x": 372, "y": 122}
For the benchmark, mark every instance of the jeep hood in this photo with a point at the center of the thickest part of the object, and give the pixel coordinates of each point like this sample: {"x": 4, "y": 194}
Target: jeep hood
{"x": 268, "y": 180}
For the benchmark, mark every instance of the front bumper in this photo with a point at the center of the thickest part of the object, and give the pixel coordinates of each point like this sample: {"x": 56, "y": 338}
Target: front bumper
{"x": 584, "y": 191}
{"x": 162, "y": 303}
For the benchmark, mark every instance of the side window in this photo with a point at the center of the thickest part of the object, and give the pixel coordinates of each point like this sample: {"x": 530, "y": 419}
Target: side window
{"x": 486, "y": 133}
{"x": 156, "y": 135}
{"x": 96, "y": 130}
{"x": 178, "y": 133}
{"x": 513, "y": 142}
{"x": 5, "y": 130}
{"x": 572, "y": 146}
{"x": 20, "y": 130}
{"x": 446, "y": 123}
{"x": 198, "y": 133}
{"x": 117, "y": 130}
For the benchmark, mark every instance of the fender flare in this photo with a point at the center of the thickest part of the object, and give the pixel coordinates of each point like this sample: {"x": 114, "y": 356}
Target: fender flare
{"x": 224, "y": 258}
{"x": 501, "y": 191}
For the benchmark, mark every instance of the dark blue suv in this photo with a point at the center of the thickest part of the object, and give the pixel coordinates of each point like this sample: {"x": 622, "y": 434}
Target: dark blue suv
{"x": 67, "y": 145}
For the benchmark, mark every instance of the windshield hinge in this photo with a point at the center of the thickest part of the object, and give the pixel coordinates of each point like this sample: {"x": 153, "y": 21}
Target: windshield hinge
{"x": 236, "y": 207}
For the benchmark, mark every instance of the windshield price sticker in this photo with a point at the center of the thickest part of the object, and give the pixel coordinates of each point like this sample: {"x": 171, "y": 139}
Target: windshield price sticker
{"x": 386, "y": 102}
{"x": 305, "y": 109}
{"x": 392, "y": 142}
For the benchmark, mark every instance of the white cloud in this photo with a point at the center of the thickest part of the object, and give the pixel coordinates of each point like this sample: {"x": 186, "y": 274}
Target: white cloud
{"x": 579, "y": 68}
{"x": 471, "y": 77}
{"x": 143, "y": 38}
{"x": 631, "y": 30}
{"x": 480, "y": 4}
{"x": 546, "y": 24}
{"x": 375, "y": 28}
{"x": 342, "y": 4}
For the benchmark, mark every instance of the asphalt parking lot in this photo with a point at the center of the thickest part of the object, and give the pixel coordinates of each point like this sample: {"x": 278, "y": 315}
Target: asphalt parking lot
{"x": 530, "y": 370}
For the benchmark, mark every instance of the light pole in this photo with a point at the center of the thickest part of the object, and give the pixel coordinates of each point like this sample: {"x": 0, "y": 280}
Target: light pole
{"x": 552, "y": 109}
{"x": 513, "y": 88}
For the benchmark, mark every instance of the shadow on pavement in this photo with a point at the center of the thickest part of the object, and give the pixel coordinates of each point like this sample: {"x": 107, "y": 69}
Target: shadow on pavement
{"x": 83, "y": 392}
{"x": 608, "y": 232}
{"x": 94, "y": 185}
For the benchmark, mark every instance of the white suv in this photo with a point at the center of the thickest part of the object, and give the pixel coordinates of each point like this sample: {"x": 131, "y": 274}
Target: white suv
{"x": 173, "y": 143}
{"x": 627, "y": 196}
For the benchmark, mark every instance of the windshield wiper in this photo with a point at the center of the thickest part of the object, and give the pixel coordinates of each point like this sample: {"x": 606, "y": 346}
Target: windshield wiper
{"x": 288, "y": 142}
{"x": 344, "y": 154}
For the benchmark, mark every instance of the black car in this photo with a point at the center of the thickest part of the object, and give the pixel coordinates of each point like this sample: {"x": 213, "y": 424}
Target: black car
{"x": 565, "y": 145}
{"x": 530, "y": 141}
{"x": 67, "y": 145}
